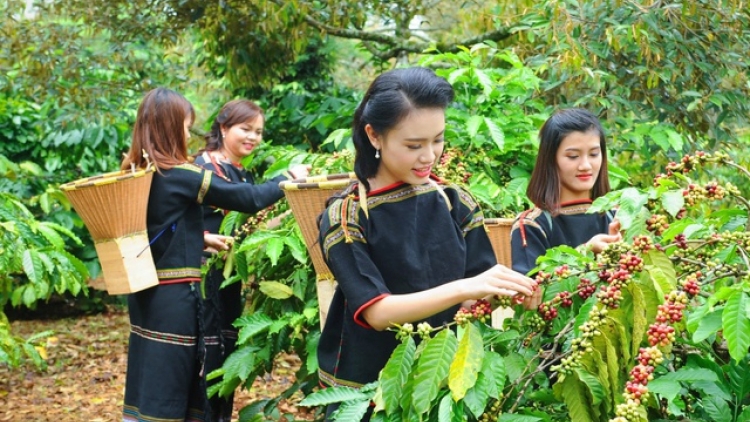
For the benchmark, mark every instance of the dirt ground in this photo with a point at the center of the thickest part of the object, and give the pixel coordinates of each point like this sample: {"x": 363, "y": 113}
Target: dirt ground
{"x": 85, "y": 380}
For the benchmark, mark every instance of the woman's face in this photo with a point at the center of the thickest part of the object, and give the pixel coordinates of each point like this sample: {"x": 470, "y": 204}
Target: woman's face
{"x": 242, "y": 138}
{"x": 410, "y": 150}
{"x": 579, "y": 159}
{"x": 188, "y": 124}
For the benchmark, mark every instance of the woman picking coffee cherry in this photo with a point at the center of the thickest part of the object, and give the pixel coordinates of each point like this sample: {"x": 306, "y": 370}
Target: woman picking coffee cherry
{"x": 403, "y": 247}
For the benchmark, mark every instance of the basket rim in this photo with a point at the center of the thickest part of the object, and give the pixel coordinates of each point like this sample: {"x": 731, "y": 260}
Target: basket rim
{"x": 105, "y": 179}
{"x": 324, "y": 181}
{"x": 499, "y": 220}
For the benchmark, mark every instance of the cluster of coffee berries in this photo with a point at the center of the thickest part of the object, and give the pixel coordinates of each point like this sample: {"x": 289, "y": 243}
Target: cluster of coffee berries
{"x": 492, "y": 412}
{"x": 535, "y": 322}
{"x": 642, "y": 243}
{"x": 689, "y": 162}
{"x": 510, "y": 301}
{"x": 712, "y": 191}
{"x": 547, "y": 311}
{"x": 671, "y": 310}
{"x": 611, "y": 294}
{"x": 480, "y": 311}
{"x": 404, "y": 331}
{"x": 424, "y": 329}
{"x": 407, "y": 330}
{"x": 636, "y": 388}
{"x": 452, "y": 167}
{"x": 562, "y": 271}
{"x": 631, "y": 262}
{"x": 586, "y": 288}
{"x": 583, "y": 344}
{"x": 657, "y": 223}
{"x": 691, "y": 284}
{"x": 681, "y": 241}
{"x": 565, "y": 299}
{"x": 660, "y": 333}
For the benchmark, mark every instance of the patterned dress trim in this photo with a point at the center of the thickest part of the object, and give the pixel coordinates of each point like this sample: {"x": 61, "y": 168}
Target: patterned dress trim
{"x": 205, "y": 184}
{"x": 169, "y": 338}
{"x": 183, "y": 273}
{"x": 329, "y": 380}
{"x": 131, "y": 414}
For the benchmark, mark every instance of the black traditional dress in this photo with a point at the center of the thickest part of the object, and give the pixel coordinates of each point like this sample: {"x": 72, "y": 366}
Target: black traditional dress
{"x": 535, "y": 231}
{"x": 165, "y": 378}
{"x": 411, "y": 238}
{"x": 223, "y": 306}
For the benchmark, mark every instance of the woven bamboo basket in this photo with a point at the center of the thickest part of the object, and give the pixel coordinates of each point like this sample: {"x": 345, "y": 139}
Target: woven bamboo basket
{"x": 498, "y": 230}
{"x": 307, "y": 198}
{"x": 113, "y": 208}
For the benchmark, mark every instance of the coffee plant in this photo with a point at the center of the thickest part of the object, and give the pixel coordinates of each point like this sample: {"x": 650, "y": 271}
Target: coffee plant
{"x": 655, "y": 327}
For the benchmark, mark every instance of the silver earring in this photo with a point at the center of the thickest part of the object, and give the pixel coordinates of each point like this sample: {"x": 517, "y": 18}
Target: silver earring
{"x": 377, "y": 154}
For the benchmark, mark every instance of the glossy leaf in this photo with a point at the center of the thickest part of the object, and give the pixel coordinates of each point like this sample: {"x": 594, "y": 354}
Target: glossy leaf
{"x": 468, "y": 360}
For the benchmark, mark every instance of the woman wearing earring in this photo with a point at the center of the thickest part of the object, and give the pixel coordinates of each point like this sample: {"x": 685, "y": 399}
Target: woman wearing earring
{"x": 236, "y": 131}
{"x": 403, "y": 246}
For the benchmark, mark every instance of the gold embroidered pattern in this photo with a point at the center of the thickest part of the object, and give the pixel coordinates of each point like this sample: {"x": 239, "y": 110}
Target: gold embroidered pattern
{"x": 332, "y": 381}
{"x": 204, "y": 186}
{"x": 179, "y": 273}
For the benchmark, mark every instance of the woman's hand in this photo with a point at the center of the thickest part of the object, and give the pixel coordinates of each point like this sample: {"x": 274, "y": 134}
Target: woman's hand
{"x": 213, "y": 243}
{"x": 600, "y": 241}
{"x": 532, "y": 302}
{"x": 298, "y": 171}
{"x": 500, "y": 281}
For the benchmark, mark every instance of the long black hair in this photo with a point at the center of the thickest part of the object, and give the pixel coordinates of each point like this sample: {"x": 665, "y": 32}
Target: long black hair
{"x": 389, "y": 99}
{"x": 544, "y": 186}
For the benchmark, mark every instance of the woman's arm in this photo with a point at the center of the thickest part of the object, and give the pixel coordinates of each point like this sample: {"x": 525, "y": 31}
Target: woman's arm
{"x": 399, "y": 309}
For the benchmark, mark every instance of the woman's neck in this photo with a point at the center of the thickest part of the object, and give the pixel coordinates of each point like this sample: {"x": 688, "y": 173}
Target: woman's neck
{"x": 223, "y": 155}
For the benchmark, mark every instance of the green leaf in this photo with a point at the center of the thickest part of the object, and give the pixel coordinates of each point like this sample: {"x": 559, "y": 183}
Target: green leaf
{"x": 667, "y": 389}
{"x": 275, "y": 290}
{"x": 352, "y": 410}
{"x": 445, "y": 409}
{"x": 509, "y": 417}
{"x": 596, "y": 392}
{"x": 331, "y": 395}
{"x": 432, "y": 368}
{"x": 573, "y": 393}
{"x": 32, "y": 266}
{"x": 710, "y": 388}
{"x": 52, "y": 236}
{"x": 737, "y": 325}
{"x": 745, "y": 415}
{"x": 465, "y": 366}
{"x": 251, "y": 325}
{"x": 583, "y": 314}
{"x": 395, "y": 374}
{"x": 515, "y": 365}
{"x": 690, "y": 375}
{"x": 708, "y": 325}
{"x": 240, "y": 363}
{"x": 717, "y": 409}
{"x": 496, "y": 133}
{"x": 485, "y": 81}
{"x": 297, "y": 248}
{"x": 473, "y": 124}
{"x": 673, "y": 202}
{"x": 640, "y": 315}
{"x": 739, "y": 377}
{"x": 274, "y": 248}
{"x": 661, "y": 270}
